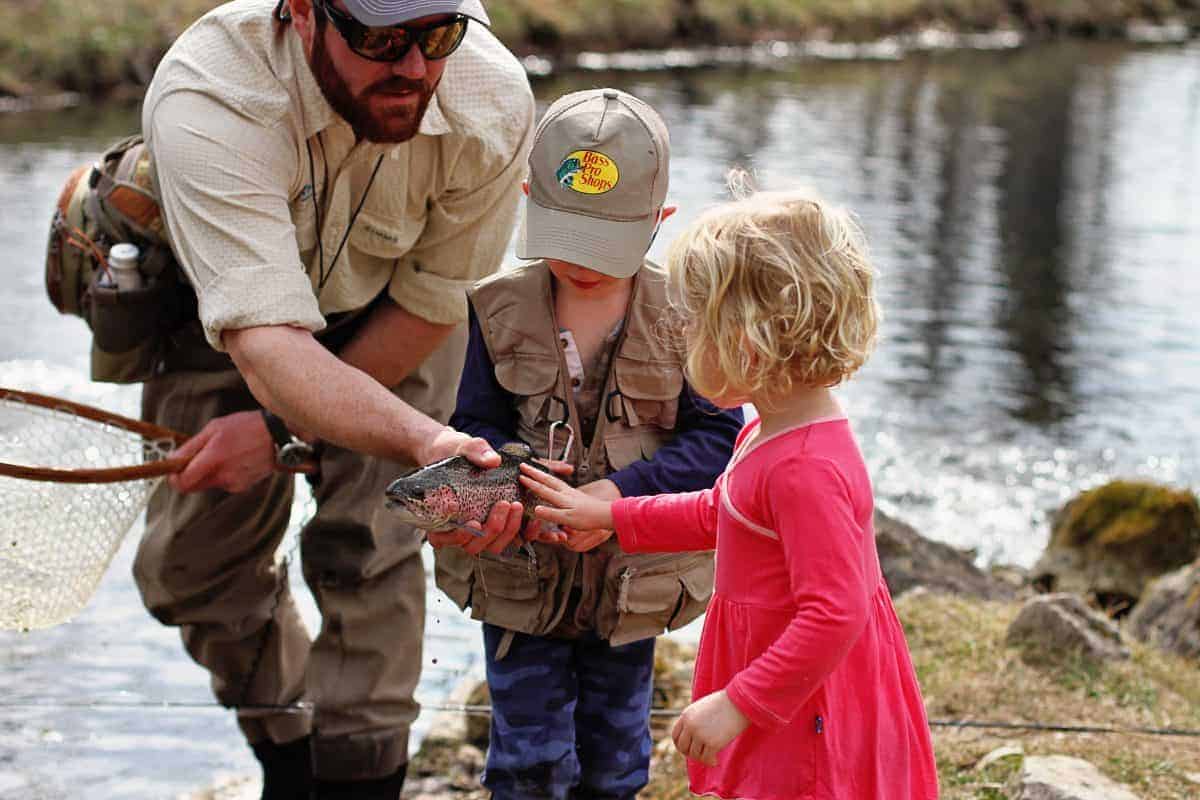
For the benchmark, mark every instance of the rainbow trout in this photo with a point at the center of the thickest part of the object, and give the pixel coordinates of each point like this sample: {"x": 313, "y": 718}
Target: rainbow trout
{"x": 447, "y": 494}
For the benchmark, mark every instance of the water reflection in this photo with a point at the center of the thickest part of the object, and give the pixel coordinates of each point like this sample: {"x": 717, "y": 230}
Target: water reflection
{"x": 1035, "y": 215}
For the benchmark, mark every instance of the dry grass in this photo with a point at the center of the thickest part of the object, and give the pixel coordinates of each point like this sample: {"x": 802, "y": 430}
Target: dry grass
{"x": 968, "y": 673}
{"x": 93, "y": 46}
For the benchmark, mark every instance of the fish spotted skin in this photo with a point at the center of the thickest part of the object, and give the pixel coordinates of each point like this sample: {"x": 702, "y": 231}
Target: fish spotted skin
{"x": 449, "y": 493}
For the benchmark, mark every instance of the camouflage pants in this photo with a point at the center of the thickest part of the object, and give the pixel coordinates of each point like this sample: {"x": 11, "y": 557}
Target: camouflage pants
{"x": 570, "y": 717}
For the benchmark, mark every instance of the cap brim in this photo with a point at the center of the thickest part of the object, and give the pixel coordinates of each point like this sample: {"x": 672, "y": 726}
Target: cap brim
{"x": 616, "y": 248}
{"x": 395, "y": 12}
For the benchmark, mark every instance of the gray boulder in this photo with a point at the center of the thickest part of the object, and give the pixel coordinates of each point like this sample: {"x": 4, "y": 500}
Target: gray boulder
{"x": 1111, "y": 541}
{"x": 1168, "y": 615}
{"x": 910, "y": 560}
{"x": 1063, "y": 778}
{"x": 1051, "y": 627}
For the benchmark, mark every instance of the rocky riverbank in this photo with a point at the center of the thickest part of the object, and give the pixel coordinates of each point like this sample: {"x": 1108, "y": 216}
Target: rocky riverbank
{"x": 100, "y": 47}
{"x": 1058, "y": 696}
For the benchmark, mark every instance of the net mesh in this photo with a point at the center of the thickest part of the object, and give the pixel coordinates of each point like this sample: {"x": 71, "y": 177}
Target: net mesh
{"x": 57, "y": 539}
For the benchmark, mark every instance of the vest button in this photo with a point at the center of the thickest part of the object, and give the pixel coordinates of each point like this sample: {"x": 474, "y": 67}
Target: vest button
{"x": 576, "y": 382}
{"x": 584, "y": 469}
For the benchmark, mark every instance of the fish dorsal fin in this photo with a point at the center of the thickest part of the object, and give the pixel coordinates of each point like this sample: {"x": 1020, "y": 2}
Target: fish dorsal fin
{"x": 517, "y": 449}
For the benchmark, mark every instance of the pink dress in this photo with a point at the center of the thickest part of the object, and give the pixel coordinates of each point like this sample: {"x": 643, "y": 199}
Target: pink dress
{"x": 801, "y": 631}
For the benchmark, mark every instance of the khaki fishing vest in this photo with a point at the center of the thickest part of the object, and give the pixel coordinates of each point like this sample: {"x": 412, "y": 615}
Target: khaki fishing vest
{"x": 557, "y": 592}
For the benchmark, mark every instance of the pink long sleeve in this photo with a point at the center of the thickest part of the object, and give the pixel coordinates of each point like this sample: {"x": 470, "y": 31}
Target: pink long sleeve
{"x": 833, "y": 575}
{"x": 667, "y": 523}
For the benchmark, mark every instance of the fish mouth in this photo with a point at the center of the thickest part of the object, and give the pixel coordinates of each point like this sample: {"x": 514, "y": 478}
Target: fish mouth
{"x": 417, "y": 519}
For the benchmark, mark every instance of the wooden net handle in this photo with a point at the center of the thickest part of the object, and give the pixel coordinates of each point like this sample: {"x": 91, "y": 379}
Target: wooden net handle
{"x": 147, "y": 430}
{"x": 151, "y": 469}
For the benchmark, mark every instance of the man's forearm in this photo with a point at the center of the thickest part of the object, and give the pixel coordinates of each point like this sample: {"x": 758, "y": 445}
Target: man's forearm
{"x": 392, "y": 343}
{"x": 293, "y": 376}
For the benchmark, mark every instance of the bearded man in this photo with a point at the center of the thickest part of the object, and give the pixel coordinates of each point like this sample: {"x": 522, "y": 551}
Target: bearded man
{"x": 334, "y": 174}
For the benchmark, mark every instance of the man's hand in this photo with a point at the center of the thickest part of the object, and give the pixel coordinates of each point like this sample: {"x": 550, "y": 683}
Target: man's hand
{"x": 706, "y": 726}
{"x": 502, "y": 525}
{"x": 449, "y": 443}
{"x": 231, "y": 453}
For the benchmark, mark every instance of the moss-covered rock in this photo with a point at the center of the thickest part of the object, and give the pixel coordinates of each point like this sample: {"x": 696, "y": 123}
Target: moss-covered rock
{"x": 1110, "y": 542}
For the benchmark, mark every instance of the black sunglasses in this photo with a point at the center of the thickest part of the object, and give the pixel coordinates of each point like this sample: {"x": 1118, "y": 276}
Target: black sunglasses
{"x": 392, "y": 43}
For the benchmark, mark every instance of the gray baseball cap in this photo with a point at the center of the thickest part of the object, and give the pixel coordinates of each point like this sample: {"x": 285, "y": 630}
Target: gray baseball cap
{"x": 395, "y": 12}
{"x": 597, "y": 177}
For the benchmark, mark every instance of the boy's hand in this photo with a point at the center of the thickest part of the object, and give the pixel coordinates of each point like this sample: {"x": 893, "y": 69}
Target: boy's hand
{"x": 572, "y": 508}
{"x": 582, "y": 541}
{"x": 707, "y": 726}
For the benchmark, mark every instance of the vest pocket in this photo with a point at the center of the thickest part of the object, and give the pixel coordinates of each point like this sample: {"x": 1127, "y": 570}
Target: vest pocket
{"x": 454, "y": 573}
{"x": 649, "y": 391}
{"x": 530, "y": 379}
{"x": 643, "y": 596}
{"x": 514, "y": 593}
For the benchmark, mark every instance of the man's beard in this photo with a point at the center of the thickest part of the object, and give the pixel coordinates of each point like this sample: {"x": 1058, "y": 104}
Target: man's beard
{"x": 385, "y": 128}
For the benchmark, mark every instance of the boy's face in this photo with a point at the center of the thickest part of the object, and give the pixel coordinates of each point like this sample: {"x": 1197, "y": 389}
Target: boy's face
{"x": 584, "y": 280}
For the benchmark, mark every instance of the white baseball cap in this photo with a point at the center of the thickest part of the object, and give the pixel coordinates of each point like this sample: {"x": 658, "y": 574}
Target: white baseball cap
{"x": 598, "y": 176}
{"x": 395, "y": 12}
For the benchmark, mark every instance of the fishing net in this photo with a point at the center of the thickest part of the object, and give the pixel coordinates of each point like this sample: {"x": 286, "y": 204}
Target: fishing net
{"x": 73, "y": 480}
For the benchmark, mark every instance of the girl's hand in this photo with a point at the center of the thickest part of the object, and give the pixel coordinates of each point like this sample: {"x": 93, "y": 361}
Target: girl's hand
{"x": 707, "y": 726}
{"x": 572, "y": 508}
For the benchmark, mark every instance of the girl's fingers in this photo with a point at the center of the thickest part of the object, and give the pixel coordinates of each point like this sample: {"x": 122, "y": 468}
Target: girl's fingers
{"x": 542, "y": 491}
{"x": 684, "y": 742}
{"x": 543, "y": 477}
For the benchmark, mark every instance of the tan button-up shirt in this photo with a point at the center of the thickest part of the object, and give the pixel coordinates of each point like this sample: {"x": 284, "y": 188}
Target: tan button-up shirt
{"x": 246, "y": 149}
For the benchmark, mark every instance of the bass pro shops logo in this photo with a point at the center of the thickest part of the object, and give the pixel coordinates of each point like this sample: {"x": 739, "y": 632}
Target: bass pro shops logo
{"x": 588, "y": 172}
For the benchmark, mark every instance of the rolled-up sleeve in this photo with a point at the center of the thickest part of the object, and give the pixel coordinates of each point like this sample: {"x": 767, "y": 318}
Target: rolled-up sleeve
{"x": 467, "y": 228}
{"x": 226, "y": 206}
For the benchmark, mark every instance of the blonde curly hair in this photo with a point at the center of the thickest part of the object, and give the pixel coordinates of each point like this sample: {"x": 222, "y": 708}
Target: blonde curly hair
{"x": 771, "y": 291}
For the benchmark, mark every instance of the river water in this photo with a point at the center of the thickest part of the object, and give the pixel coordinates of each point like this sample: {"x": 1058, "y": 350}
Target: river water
{"x": 1035, "y": 215}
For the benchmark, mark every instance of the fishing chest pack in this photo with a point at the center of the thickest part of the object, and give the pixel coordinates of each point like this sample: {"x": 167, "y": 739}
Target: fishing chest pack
{"x": 110, "y": 202}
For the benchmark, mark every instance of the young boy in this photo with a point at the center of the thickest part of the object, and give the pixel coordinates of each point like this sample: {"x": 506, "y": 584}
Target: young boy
{"x": 565, "y": 355}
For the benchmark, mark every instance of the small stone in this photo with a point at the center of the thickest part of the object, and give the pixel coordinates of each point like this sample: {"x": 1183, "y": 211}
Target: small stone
{"x": 1064, "y": 778}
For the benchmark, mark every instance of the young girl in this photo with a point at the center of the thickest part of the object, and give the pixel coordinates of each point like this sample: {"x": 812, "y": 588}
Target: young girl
{"x": 803, "y": 687}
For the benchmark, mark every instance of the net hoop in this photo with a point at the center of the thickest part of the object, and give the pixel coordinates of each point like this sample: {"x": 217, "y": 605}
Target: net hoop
{"x": 149, "y": 469}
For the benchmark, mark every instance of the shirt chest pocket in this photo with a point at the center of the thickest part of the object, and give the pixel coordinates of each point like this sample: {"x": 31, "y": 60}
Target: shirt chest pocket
{"x": 386, "y": 237}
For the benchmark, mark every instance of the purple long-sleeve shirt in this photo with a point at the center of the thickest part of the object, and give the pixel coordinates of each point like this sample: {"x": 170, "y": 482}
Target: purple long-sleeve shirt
{"x": 691, "y": 460}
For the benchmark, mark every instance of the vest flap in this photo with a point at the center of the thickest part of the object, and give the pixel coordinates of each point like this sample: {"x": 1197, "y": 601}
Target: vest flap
{"x": 647, "y": 380}
{"x": 527, "y": 374}
{"x": 698, "y": 579}
{"x": 647, "y": 594}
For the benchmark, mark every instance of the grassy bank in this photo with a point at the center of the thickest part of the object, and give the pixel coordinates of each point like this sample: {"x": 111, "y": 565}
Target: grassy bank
{"x": 96, "y": 46}
{"x": 968, "y": 673}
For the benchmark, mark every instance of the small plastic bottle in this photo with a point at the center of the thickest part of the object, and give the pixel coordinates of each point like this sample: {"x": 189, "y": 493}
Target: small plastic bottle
{"x": 123, "y": 261}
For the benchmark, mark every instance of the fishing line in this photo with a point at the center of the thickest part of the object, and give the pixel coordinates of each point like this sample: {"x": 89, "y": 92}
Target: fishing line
{"x": 484, "y": 710}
